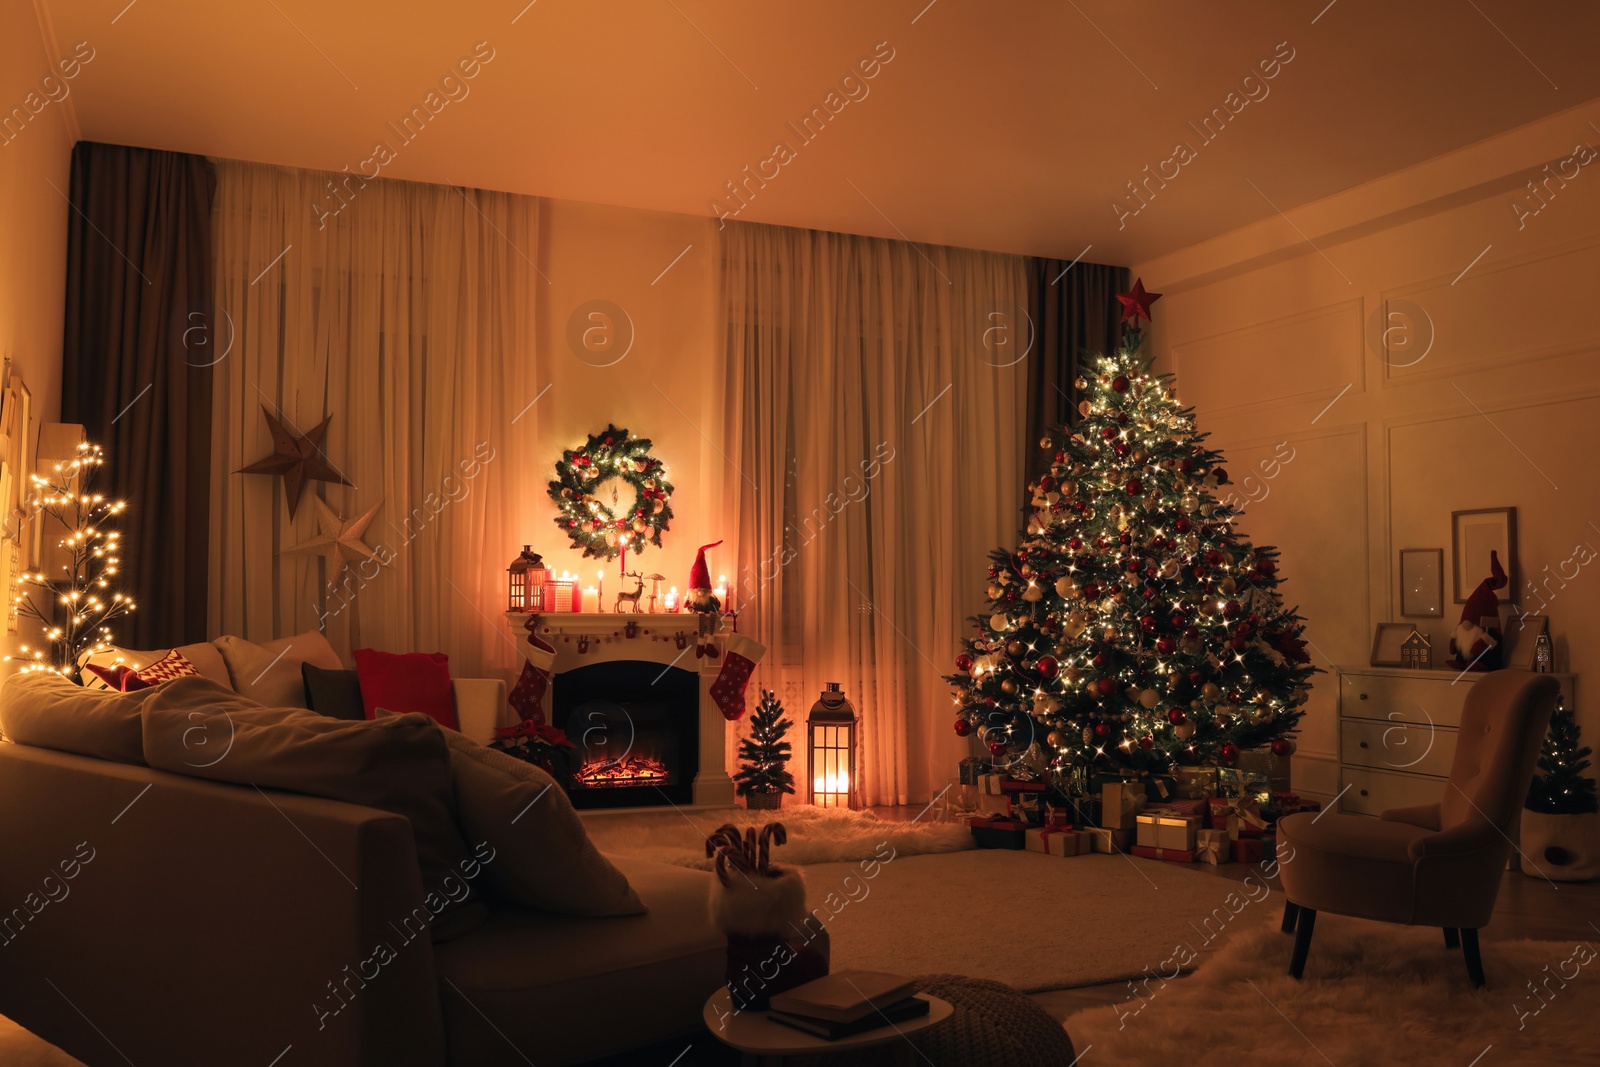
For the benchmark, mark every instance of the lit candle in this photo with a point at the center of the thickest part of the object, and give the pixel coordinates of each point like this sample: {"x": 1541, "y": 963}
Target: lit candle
{"x": 671, "y": 602}
{"x": 600, "y": 596}
{"x": 722, "y": 591}
{"x": 591, "y": 599}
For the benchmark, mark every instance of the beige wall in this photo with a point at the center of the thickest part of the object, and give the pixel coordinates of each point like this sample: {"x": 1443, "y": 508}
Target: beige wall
{"x": 33, "y": 216}
{"x": 1273, "y": 341}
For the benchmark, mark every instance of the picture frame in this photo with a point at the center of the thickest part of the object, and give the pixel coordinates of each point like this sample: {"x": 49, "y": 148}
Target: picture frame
{"x": 1421, "y": 583}
{"x": 1522, "y": 637}
{"x": 1473, "y": 535}
{"x": 1387, "y": 642}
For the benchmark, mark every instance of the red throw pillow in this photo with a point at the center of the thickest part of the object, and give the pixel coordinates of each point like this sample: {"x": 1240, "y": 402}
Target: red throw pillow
{"x": 124, "y": 679}
{"x": 404, "y": 683}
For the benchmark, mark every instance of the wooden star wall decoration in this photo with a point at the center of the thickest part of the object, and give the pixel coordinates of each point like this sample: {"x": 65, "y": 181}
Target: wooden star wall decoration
{"x": 338, "y": 539}
{"x": 298, "y": 457}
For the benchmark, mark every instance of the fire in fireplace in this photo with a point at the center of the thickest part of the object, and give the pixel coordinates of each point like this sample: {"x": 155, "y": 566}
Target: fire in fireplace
{"x": 636, "y": 726}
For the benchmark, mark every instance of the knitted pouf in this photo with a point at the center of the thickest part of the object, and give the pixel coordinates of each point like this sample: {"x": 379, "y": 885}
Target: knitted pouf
{"x": 993, "y": 1025}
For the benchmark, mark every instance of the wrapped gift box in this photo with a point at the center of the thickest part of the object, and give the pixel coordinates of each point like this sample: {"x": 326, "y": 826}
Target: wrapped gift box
{"x": 1086, "y": 811}
{"x": 1213, "y": 846}
{"x": 1196, "y": 783}
{"x": 1158, "y": 788}
{"x": 1290, "y": 804}
{"x": 1069, "y": 843}
{"x": 1248, "y": 850}
{"x": 1239, "y": 816}
{"x": 990, "y": 784}
{"x": 1193, "y": 807}
{"x": 1109, "y": 841}
{"x": 1001, "y": 833}
{"x": 993, "y": 804}
{"x": 1120, "y": 804}
{"x": 1171, "y": 855}
{"x": 972, "y": 768}
{"x": 1158, "y": 828}
{"x": 1242, "y": 782}
{"x": 1262, "y": 761}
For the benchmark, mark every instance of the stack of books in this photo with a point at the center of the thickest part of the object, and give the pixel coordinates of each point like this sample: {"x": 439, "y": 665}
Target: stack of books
{"x": 845, "y": 1003}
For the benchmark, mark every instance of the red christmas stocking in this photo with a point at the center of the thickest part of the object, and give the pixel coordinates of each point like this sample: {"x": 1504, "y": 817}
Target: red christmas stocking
{"x": 728, "y": 689}
{"x": 527, "y": 696}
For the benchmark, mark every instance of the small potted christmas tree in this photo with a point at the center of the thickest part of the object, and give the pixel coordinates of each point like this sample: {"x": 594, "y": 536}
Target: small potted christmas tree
{"x": 1560, "y": 824}
{"x": 763, "y": 776}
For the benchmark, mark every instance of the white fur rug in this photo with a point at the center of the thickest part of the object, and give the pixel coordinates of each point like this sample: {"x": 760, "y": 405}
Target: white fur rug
{"x": 816, "y": 835}
{"x": 1372, "y": 994}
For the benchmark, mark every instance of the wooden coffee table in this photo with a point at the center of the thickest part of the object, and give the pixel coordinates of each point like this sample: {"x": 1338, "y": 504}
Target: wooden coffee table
{"x": 764, "y": 1041}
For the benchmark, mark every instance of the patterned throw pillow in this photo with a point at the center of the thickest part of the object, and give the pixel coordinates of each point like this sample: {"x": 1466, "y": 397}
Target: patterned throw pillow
{"x": 124, "y": 679}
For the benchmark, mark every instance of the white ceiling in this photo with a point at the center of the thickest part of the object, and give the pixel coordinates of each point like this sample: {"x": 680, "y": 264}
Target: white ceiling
{"x": 1003, "y": 126}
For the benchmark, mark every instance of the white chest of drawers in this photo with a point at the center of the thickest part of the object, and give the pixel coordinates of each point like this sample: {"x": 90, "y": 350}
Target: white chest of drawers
{"x": 1397, "y": 733}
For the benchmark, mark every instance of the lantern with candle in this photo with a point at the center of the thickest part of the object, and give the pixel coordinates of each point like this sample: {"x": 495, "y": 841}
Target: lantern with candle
{"x": 527, "y": 576}
{"x": 831, "y": 745}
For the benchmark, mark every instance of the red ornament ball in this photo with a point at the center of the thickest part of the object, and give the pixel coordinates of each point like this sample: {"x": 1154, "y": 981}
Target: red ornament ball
{"x": 1182, "y": 525}
{"x": 1048, "y": 666}
{"x": 1228, "y": 754}
{"x": 1222, "y": 476}
{"x": 1099, "y": 661}
{"x": 1146, "y": 742}
{"x": 1135, "y": 487}
{"x": 1119, "y": 383}
{"x": 964, "y": 662}
{"x": 1283, "y": 747}
{"x": 996, "y": 747}
{"x": 1266, "y": 566}
{"x": 1175, "y": 716}
{"x": 1101, "y": 730}
{"x": 1165, "y": 645}
{"x": 963, "y": 727}
{"x": 1109, "y": 432}
{"x": 1231, "y": 609}
{"x": 1106, "y": 686}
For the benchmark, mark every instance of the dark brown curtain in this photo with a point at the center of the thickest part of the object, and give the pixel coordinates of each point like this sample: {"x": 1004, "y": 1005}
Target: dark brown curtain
{"x": 139, "y": 343}
{"x": 1075, "y": 310}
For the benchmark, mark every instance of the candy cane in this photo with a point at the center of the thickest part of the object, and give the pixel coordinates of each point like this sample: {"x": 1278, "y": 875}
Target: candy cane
{"x": 725, "y": 835}
{"x": 772, "y": 832}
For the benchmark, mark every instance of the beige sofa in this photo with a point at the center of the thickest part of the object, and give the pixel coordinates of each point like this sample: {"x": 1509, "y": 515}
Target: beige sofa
{"x": 206, "y": 923}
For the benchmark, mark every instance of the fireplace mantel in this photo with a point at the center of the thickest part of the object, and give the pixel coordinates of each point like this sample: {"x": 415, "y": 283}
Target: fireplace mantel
{"x": 654, "y": 638}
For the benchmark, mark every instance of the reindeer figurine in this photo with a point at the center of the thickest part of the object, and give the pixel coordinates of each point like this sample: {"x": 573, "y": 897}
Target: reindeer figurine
{"x": 638, "y": 590}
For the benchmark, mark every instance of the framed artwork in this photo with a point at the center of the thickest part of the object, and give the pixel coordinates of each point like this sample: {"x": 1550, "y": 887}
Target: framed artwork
{"x": 1475, "y": 534}
{"x": 1421, "y": 583}
{"x": 1388, "y": 643}
{"x": 1522, "y": 638}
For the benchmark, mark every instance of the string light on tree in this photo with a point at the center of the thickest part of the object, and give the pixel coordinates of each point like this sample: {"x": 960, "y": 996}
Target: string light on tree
{"x": 1134, "y": 626}
{"x": 76, "y": 604}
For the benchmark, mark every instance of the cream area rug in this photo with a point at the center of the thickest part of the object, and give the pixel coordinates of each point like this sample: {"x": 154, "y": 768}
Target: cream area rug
{"x": 1372, "y": 994}
{"x": 1031, "y": 921}
{"x": 816, "y": 835}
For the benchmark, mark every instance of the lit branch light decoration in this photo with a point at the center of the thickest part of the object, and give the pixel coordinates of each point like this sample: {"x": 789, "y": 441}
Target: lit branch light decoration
{"x": 590, "y": 507}
{"x": 81, "y": 604}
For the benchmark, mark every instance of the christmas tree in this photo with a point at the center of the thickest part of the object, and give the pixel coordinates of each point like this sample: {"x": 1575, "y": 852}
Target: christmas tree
{"x": 77, "y": 602}
{"x": 1561, "y": 788}
{"x": 1134, "y": 626}
{"x": 764, "y": 755}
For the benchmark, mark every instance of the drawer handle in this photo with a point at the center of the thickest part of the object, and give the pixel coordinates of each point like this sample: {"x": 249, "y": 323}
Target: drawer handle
{"x": 1363, "y": 744}
{"x": 1363, "y": 792}
{"x": 1363, "y": 696}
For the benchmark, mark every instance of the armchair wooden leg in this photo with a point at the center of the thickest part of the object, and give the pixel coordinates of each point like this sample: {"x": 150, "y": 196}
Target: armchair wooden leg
{"x": 1452, "y": 937}
{"x": 1306, "y": 922}
{"x": 1291, "y": 912}
{"x": 1469, "y": 949}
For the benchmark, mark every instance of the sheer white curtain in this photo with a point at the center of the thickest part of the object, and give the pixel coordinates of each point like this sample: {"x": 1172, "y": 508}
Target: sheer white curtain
{"x": 408, "y": 316}
{"x": 875, "y": 411}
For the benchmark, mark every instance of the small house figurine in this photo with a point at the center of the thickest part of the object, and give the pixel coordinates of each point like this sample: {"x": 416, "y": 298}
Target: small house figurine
{"x": 1416, "y": 651}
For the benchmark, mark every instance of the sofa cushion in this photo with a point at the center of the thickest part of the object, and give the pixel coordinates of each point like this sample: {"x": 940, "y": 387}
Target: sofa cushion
{"x": 336, "y": 694}
{"x": 45, "y": 710}
{"x": 204, "y": 656}
{"x": 407, "y": 682}
{"x": 269, "y": 674}
{"x": 398, "y": 764}
{"x": 543, "y": 856}
{"x": 662, "y": 965}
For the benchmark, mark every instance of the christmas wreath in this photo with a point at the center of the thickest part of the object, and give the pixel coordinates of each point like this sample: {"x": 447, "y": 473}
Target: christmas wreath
{"x": 588, "y": 493}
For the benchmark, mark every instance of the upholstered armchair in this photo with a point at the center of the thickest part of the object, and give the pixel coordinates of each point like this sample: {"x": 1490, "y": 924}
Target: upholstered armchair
{"x": 1438, "y": 864}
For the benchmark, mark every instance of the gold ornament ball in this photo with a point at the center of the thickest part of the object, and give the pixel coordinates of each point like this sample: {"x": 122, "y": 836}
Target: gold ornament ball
{"x": 1210, "y": 692}
{"x": 1054, "y": 738}
{"x": 1008, "y": 687}
{"x": 1227, "y": 585}
{"x": 994, "y": 591}
{"x": 1149, "y": 699}
{"x": 1184, "y": 730}
{"x": 1189, "y": 502}
{"x": 1066, "y": 587}
{"x": 998, "y": 622}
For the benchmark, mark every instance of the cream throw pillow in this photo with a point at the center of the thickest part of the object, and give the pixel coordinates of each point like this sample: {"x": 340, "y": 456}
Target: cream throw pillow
{"x": 543, "y": 858}
{"x": 205, "y": 657}
{"x": 269, "y": 674}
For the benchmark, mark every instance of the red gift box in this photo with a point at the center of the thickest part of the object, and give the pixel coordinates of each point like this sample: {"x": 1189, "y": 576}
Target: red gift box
{"x": 1170, "y": 855}
{"x": 1248, "y": 850}
{"x": 1194, "y": 806}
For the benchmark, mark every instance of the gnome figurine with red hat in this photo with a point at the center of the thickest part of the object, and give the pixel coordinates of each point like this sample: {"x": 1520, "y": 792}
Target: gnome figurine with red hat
{"x": 702, "y": 596}
{"x": 1474, "y": 647}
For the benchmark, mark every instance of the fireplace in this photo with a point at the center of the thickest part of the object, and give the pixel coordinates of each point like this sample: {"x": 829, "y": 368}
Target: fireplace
{"x": 636, "y": 725}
